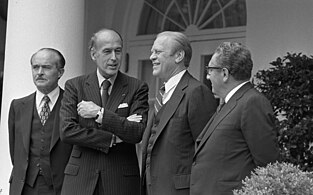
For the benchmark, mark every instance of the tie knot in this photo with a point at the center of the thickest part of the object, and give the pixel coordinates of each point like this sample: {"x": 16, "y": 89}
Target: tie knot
{"x": 162, "y": 89}
{"x": 46, "y": 98}
{"x": 106, "y": 84}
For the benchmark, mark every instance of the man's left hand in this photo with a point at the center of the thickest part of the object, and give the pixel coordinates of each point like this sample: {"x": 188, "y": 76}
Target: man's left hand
{"x": 87, "y": 109}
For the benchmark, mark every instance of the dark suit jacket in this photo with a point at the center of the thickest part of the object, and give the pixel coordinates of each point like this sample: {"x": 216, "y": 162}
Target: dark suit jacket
{"x": 186, "y": 113}
{"x": 20, "y": 120}
{"x": 234, "y": 142}
{"x": 92, "y": 154}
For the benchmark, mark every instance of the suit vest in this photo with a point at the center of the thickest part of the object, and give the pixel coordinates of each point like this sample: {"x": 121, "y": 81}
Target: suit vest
{"x": 151, "y": 141}
{"x": 39, "y": 155}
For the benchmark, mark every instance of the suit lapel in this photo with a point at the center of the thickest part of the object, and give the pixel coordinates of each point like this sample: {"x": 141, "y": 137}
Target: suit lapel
{"x": 56, "y": 127}
{"x": 118, "y": 93}
{"x": 27, "y": 110}
{"x": 218, "y": 117}
{"x": 173, "y": 103}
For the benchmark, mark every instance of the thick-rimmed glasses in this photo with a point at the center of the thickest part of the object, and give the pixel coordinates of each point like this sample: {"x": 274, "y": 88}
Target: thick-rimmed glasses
{"x": 209, "y": 69}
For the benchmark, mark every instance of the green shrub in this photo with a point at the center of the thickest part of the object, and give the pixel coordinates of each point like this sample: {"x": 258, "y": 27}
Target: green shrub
{"x": 288, "y": 84}
{"x": 277, "y": 179}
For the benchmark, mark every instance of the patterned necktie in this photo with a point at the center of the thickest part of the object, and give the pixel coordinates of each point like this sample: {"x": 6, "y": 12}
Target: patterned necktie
{"x": 105, "y": 92}
{"x": 158, "y": 99}
{"x": 45, "y": 110}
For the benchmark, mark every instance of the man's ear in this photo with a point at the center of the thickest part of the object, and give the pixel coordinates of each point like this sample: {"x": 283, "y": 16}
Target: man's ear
{"x": 226, "y": 74}
{"x": 180, "y": 55}
{"x": 93, "y": 54}
{"x": 61, "y": 72}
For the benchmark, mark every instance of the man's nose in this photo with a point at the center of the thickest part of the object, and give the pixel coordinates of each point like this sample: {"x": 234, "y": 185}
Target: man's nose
{"x": 152, "y": 56}
{"x": 113, "y": 55}
{"x": 40, "y": 70}
{"x": 207, "y": 76}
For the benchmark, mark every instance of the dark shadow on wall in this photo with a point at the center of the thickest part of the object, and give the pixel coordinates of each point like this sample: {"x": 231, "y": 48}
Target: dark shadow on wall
{"x": 3, "y": 24}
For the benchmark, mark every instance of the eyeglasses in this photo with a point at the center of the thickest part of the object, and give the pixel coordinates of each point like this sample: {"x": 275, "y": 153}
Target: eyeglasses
{"x": 209, "y": 69}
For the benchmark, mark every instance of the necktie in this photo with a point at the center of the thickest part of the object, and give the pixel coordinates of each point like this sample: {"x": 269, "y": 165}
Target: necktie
{"x": 158, "y": 99}
{"x": 105, "y": 92}
{"x": 45, "y": 110}
{"x": 220, "y": 106}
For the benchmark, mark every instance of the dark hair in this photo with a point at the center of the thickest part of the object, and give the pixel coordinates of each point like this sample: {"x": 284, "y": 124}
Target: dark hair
{"x": 94, "y": 37}
{"x": 61, "y": 59}
{"x": 182, "y": 43}
{"x": 236, "y": 58}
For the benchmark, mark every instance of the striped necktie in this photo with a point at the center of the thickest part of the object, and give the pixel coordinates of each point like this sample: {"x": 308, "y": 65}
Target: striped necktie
{"x": 158, "y": 99}
{"x": 45, "y": 110}
{"x": 220, "y": 106}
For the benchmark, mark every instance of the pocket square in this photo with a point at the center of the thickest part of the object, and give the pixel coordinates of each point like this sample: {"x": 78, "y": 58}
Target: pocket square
{"x": 123, "y": 105}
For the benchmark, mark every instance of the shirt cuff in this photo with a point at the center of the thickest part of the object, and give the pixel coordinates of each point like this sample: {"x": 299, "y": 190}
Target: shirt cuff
{"x": 100, "y": 116}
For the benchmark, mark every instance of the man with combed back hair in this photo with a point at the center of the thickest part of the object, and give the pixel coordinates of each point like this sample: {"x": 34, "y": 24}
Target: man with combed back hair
{"x": 38, "y": 156}
{"x": 182, "y": 108}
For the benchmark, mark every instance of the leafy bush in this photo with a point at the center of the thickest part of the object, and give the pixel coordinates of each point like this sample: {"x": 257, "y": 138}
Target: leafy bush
{"x": 288, "y": 84}
{"x": 277, "y": 179}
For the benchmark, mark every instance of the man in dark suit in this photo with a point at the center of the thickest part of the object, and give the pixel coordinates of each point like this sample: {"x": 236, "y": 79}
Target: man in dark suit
{"x": 104, "y": 130}
{"x": 38, "y": 156}
{"x": 240, "y": 136}
{"x": 180, "y": 114}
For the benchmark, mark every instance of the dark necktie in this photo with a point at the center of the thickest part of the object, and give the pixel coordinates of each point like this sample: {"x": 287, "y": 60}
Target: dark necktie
{"x": 45, "y": 110}
{"x": 105, "y": 92}
{"x": 158, "y": 99}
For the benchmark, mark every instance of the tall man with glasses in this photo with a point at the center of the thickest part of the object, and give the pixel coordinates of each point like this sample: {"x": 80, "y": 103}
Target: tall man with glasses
{"x": 38, "y": 156}
{"x": 182, "y": 108}
{"x": 240, "y": 136}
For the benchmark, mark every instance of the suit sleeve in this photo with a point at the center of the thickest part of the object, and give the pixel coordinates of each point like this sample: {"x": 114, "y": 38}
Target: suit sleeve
{"x": 76, "y": 130}
{"x": 202, "y": 105}
{"x": 258, "y": 129}
{"x": 11, "y": 125}
{"x": 130, "y": 132}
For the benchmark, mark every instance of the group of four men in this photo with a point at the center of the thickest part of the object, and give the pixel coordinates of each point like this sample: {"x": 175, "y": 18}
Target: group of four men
{"x": 83, "y": 140}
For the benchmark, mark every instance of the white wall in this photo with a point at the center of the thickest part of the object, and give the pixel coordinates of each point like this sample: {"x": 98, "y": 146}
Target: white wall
{"x": 275, "y": 27}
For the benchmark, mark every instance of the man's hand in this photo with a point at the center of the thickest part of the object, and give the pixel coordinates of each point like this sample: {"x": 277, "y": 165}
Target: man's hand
{"x": 87, "y": 109}
{"x": 135, "y": 118}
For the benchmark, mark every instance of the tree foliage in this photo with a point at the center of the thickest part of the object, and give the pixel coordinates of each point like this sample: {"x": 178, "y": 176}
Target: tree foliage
{"x": 289, "y": 86}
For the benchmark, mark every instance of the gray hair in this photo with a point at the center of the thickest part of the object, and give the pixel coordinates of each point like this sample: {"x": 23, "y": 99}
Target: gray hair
{"x": 236, "y": 58}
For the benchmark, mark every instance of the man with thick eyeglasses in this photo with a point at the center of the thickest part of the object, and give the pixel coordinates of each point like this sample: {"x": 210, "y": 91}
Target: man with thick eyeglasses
{"x": 240, "y": 136}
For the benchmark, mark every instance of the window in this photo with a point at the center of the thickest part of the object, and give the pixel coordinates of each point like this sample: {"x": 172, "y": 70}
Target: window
{"x": 178, "y": 15}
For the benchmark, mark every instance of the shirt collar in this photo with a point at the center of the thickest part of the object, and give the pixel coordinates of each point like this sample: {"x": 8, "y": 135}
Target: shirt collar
{"x": 101, "y": 78}
{"x": 53, "y": 96}
{"x": 233, "y": 91}
{"x": 173, "y": 81}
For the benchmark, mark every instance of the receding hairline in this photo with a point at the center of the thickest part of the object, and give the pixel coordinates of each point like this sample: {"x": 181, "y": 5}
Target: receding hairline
{"x": 95, "y": 37}
{"x": 60, "y": 60}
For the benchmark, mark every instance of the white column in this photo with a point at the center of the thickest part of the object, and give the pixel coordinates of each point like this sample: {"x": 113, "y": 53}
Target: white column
{"x": 31, "y": 25}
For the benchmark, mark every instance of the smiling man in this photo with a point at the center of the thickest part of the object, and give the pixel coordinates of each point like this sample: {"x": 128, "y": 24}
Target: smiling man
{"x": 182, "y": 108}
{"x": 103, "y": 115}
{"x": 38, "y": 156}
